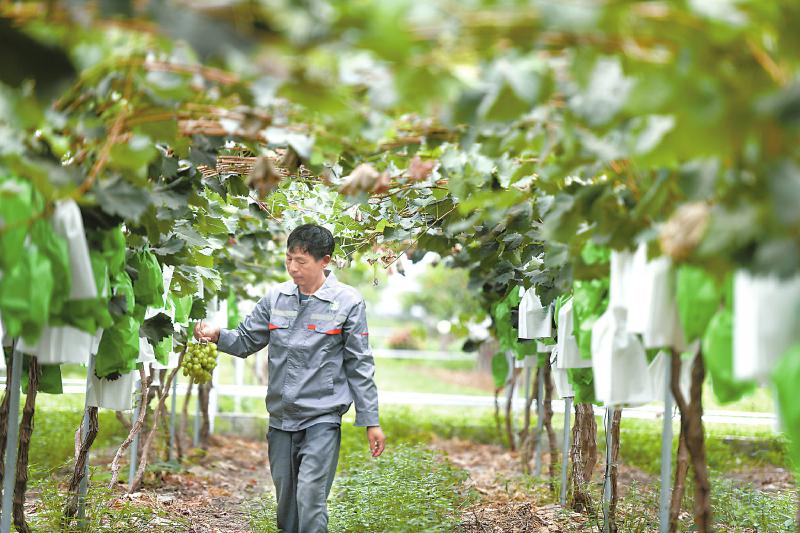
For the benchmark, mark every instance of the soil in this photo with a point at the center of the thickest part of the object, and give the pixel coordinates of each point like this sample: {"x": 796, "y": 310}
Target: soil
{"x": 768, "y": 478}
{"x": 215, "y": 492}
{"x": 212, "y": 495}
{"x": 507, "y": 503}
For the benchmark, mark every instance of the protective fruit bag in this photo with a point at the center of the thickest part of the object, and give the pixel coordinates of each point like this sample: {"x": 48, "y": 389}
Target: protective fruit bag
{"x": 718, "y": 358}
{"x": 786, "y": 377}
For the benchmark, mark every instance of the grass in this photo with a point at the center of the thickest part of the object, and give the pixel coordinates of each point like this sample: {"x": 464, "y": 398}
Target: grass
{"x": 728, "y": 447}
{"x": 410, "y": 488}
{"x": 384, "y": 494}
{"x": 414, "y": 486}
{"x": 421, "y": 376}
{"x": 122, "y": 516}
{"x": 760, "y": 401}
{"x": 57, "y": 418}
{"x": 735, "y": 508}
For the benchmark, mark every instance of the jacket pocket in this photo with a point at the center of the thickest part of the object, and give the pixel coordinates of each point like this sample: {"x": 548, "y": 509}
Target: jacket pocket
{"x": 278, "y": 327}
{"x": 326, "y": 328}
{"x": 278, "y": 322}
{"x": 321, "y": 383}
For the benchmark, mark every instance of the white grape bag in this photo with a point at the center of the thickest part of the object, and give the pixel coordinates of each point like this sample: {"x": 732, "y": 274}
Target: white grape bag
{"x": 619, "y": 362}
{"x": 535, "y": 320}
{"x": 146, "y": 352}
{"x": 111, "y": 394}
{"x": 560, "y": 378}
{"x": 766, "y": 322}
{"x": 96, "y": 341}
{"x": 638, "y": 298}
{"x": 569, "y": 356}
{"x": 67, "y": 222}
{"x": 662, "y": 365}
{"x": 544, "y": 348}
{"x": 174, "y": 360}
{"x": 60, "y": 344}
{"x": 529, "y": 361}
{"x": 623, "y": 282}
{"x": 657, "y": 372}
{"x": 652, "y": 307}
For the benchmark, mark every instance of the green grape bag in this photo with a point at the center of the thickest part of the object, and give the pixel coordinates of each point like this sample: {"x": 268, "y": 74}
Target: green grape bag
{"x": 139, "y": 312}
{"x": 786, "y": 376}
{"x": 718, "y": 359}
{"x": 148, "y": 287}
{"x": 183, "y": 306}
{"x": 113, "y": 245}
{"x": 56, "y": 249}
{"x": 589, "y": 301}
{"x": 91, "y": 313}
{"x": 25, "y": 293}
{"x": 49, "y": 377}
{"x": 698, "y": 298}
{"x": 162, "y": 350}
{"x": 119, "y": 348}
{"x": 582, "y": 381}
{"x": 499, "y": 369}
{"x": 123, "y": 286}
{"x": 16, "y": 207}
{"x": 560, "y": 301}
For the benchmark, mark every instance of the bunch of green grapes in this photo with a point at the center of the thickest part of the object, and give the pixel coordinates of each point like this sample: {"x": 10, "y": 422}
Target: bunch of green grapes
{"x": 199, "y": 361}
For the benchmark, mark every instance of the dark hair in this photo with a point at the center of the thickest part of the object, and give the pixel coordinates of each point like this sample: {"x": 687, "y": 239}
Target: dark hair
{"x": 311, "y": 239}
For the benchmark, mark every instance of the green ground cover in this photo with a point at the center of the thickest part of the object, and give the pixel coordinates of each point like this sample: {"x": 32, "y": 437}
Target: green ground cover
{"x": 415, "y": 480}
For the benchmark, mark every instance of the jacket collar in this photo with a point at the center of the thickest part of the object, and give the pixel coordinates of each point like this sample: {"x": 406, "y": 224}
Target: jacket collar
{"x": 326, "y": 292}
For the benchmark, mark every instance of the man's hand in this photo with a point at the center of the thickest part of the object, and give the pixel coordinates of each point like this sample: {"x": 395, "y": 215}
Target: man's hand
{"x": 376, "y": 439}
{"x": 206, "y": 332}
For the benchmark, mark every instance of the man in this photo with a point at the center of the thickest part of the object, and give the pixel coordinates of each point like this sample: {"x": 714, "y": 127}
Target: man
{"x": 319, "y": 363}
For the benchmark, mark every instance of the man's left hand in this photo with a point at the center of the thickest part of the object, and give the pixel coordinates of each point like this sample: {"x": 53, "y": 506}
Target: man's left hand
{"x": 376, "y": 439}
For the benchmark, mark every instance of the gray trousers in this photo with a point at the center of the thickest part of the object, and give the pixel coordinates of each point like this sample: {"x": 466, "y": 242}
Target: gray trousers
{"x": 303, "y": 464}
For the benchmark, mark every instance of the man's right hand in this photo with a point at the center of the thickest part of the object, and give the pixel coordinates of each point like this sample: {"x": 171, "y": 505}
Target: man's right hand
{"x": 203, "y": 331}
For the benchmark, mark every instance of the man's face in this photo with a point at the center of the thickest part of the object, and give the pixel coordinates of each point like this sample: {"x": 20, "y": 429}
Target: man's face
{"x": 303, "y": 267}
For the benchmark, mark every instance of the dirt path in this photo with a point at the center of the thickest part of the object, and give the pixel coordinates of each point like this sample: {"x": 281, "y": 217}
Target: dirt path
{"x": 508, "y": 501}
{"x": 214, "y": 494}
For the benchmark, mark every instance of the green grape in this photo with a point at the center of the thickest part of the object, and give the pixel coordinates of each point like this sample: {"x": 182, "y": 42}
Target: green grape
{"x": 199, "y": 361}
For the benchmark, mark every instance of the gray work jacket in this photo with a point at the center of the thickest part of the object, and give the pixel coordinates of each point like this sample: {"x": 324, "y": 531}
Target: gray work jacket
{"x": 320, "y": 361}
